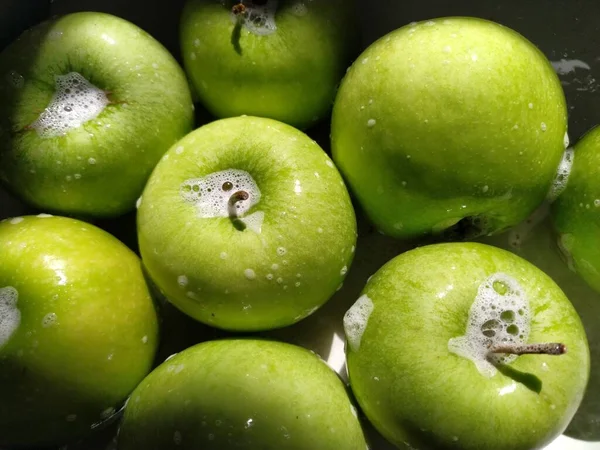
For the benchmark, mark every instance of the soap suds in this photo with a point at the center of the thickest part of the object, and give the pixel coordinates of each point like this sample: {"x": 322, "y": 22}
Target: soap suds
{"x": 356, "y": 320}
{"x": 499, "y": 315}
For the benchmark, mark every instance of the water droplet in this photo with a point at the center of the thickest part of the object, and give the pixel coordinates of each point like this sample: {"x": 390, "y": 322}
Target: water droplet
{"x": 371, "y": 123}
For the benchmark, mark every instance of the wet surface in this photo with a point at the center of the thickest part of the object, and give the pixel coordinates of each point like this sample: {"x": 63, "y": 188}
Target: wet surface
{"x": 565, "y": 30}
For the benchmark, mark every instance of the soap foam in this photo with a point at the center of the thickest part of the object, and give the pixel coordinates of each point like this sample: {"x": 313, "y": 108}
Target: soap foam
{"x": 562, "y": 175}
{"x": 259, "y": 19}
{"x": 254, "y": 221}
{"x": 498, "y": 316}
{"x": 356, "y": 320}
{"x": 75, "y": 102}
{"x": 211, "y": 193}
{"x": 10, "y": 316}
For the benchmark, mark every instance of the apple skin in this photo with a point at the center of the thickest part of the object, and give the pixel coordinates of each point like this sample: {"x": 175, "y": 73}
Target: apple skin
{"x": 242, "y": 394}
{"x": 316, "y": 227}
{"x": 450, "y": 122}
{"x": 414, "y": 390}
{"x": 576, "y": 212}
{"x": 58, "y": 380}
{"x": 99, "y": 168}
{"x": 290, "y": 75}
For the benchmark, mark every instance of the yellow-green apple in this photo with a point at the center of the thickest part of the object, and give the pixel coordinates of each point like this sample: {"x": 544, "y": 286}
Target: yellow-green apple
{"x": 241, "y": 394}
{"x": 452, "y": 125}
{"x": 466, "y": 346}
{"x": 90, "y": 102}
{"x": 78, "y": 329}
{"x": 246, "y": 224}
{"x": 278, "y": 59}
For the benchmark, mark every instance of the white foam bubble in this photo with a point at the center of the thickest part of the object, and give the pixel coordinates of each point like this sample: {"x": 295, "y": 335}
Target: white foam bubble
{"x": 281, "y": 251}
{"x": 182, "y": 280}
{"x": 211, "y": 194}
{"x": 10, "y": 316}
{"x": 356, "y": 320}
{"x": 299, "y": 9}
{"x": 250, "y": 274}
{"x": 371, "y": 123}
{"x": 561, "y": 178}
{"x": 344, "y": 270}
{"x": 566, "y": 140}
{"x": 258, "y": 19}
{"x": 16, "y": 220}
{"x": 254, "y": 221}
{"x": 499, "y": 315}
{"x": 49, "y": 320}
{"x": 75, "y": 102}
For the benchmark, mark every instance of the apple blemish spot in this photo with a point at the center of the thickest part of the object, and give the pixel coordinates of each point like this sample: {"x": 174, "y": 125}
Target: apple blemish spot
{"x": 356, "y": 320}
{"x": 75, "y": 102}
{"x": 258, "y": 19}
{"x": 212, "y": 194}
{"x": 563, "y": 172}
{"x": 498, "y": 316}
{"x": 10, "y": 316}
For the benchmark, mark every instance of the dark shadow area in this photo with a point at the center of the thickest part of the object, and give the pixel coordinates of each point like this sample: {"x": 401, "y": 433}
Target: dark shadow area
{"x": 529, "y": 380}
{"x": 236, "y": 34}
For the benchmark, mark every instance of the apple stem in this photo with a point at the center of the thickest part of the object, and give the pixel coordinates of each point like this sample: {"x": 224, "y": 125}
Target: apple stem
{"x": 530, "y": 349}
{"x": 232, "y": 208}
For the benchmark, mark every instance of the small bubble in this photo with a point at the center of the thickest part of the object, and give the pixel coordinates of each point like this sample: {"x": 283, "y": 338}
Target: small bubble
{"x": 145, "y": 340}
{"x": 179, "y": 150}
{"x": 281, "y": 251}
{"x": 223, "y": 255}
{"x": 344, "y": 271}
{"x": 182, "y": 280}
{"x": 371, "y": 123}
{"x": 269, "y": 276}
{"x": 92, "y": 161}
{"x": 279, "y": 280}
{"x": 250, "y": 274}
{"x": 530, "y": 106}
{"x": 543, "y": 126}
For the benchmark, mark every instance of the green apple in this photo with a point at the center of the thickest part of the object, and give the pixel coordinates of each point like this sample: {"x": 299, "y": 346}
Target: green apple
{"x": 78, "y": 328}
{"x": 433, "y": 345}
{"x": 90, "y": 102}
{"x": 449, "y": 125}
{"x": 576, "y": 212}
{"x": 277, "y": 59}
{"x": 535, "y": 241}
{"x": 241, "y": 394}
{"x": 246, "y": 224}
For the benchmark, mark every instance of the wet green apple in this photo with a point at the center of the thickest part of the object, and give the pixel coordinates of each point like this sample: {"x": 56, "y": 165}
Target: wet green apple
{"x": 451, "y": 125}
{"x": 576, "y": 212}
{"x": 278, "y": 59}
{"x": 246, "y": 224}
{"x": 78, "y": 329}
{"x": 241, "y": 394}
{"x": 90, "y": 102}
{"x": 536, "y": 241}
{"x": 462, "y": 345}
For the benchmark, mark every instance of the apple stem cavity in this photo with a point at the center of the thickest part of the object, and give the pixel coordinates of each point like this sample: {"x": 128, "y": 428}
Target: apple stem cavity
{"x": 529, "y": 349}
{"x": 232, "y": 208}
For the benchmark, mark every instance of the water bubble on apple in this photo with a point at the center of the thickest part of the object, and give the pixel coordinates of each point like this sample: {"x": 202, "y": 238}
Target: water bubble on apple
{"x": 10, "y": 316}
{"x": 75, "y": 102}
{"x": 498, "y": 315}
{"x": 212, "y": 194}
{"x": 49, "y": 320}
{"x": 356, "y": 320}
